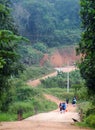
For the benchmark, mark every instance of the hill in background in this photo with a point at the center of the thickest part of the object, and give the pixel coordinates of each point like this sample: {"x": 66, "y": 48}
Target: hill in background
{"x": 52, "y": 22}
{"x": 48, "y": 24}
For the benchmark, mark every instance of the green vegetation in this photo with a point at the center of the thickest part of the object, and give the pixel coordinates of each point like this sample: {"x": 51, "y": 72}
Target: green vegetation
{"x": 53, "y": 23}
{"x": 60, "y": 81}
{"x": 61, "y": 93}
{"x": 9, "y": 63}
{"x": 13, "y": 92}
{"x": 32, "y": 55}
{"x": 87, "y": 50}
{"x": 30, "y": 101}
{"x": 35, "y": 72}
{"x": 86, "y": 46}
{"x": 87, "y": 110}
{"x": 47, "y": 24}
{"x": 7, "y": 116}
{"x": 41, "y": 47}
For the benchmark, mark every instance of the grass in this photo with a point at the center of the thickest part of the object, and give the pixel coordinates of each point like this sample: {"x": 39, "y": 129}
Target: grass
{"x": 29, "y": 108}
{"x": 61, "y": 93}
{"x": 7, "y": 116}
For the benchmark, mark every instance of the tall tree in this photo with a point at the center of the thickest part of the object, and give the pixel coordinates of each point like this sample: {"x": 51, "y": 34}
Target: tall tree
{"x": 6, "y": 20}
{"x": 8, "y": 52}
{"x": 87, "y": 44}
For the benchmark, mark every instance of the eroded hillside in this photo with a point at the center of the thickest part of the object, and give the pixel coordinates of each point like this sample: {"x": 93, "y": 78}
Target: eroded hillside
{"x": 61, "y": 57}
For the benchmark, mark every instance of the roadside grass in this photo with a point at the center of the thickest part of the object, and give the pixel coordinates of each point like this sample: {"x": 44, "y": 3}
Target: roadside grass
{"x": 31, "y": 102}
{"x": 60, "y": 93}
{"x": 35, "y": 72}
{"x": 7, "y": 116}
{"x": 44, "y": 106}
{"x": 87, "y": 115}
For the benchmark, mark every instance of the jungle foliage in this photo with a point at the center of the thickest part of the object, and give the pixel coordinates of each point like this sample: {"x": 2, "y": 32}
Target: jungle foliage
{"x": 14, "y": 94}
{"x": 52, "y": 22}
{"x": 76, "y": 83}
{"x": 9, "y": 63}
{"x": 87, "y": 45}
{"x": 87, "y": 50}
{"x": 61, "y": 80}
{"x": 46, "y": 23}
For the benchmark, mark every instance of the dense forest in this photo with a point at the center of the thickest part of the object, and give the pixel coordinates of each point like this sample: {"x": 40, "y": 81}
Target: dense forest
{"x": 52, "y": 22}
{"x": 46, "y": 23}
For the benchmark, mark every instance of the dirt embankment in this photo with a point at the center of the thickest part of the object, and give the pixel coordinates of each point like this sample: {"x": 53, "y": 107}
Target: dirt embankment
{"x": 60, "y": 57}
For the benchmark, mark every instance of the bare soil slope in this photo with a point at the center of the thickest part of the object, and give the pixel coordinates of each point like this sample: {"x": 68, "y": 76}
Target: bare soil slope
{"x": 61, "y": 57}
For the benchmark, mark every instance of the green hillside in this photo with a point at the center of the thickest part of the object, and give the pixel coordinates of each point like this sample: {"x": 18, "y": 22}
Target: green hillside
{"x": 52, "y": 22}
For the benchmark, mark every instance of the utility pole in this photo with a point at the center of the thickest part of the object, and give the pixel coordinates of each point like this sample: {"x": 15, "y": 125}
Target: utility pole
{"x": 68, "y": 78}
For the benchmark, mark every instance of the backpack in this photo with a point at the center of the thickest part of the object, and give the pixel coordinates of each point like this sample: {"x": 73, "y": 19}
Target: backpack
{"x": 63, "y": 105}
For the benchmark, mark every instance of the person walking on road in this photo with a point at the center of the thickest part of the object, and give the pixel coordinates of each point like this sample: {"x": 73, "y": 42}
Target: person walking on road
{"x": 60, "y": 106}
{"x": 74, "y": 101}
{"x": 63, "y": 107}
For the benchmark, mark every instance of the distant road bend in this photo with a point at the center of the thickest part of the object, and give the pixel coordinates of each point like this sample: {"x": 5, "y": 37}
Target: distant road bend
{"x": 36, "y": 82}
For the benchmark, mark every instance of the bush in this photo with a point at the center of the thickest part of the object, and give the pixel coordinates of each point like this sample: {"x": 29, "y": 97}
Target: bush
{"x": 7, "y": 116}
{"x": 82, "y": 93}
{"x": 90, "y": 120}
{"x": 35, "y": 72}
{"x": 41, "y": 47}
{"x": 61, "y": 93}
{"x": 26, "y": 93}
{"x": 90, "y": 111}
{"x": 24, "y": 106}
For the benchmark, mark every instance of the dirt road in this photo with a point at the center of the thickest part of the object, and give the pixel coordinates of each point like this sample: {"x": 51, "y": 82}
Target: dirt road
{"x": 36, "y": 82}
{"x": 56, "y": 116}
{"x": 39, "y": 125}
{"x": 53, "y": 120}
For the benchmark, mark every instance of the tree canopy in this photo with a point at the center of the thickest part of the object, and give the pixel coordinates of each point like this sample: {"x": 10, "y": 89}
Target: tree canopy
{"x": 87, "y": 44}
{"x": 52, "y": 22}
{"x": 8, "y": 52}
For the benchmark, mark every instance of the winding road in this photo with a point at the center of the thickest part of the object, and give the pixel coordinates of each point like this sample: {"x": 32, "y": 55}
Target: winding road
{"x": 53, "y": 120}
{"x": 36, "y": 82}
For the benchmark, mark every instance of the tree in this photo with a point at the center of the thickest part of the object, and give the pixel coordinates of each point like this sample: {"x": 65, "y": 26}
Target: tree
{"x": 9, "y": 64}
{"x": 87, "y": 44}
{"x": 6, "y": 20}
{"x": 52, "y": 22}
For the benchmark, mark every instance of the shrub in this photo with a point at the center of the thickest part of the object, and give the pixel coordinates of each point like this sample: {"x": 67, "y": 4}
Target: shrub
{"x": 90, "y": 120}
{"x": 90, "y": 111}
{"x": 41, "y": 47}
{"x": 24, "y": 106}
{"x": 7, "y": 116}
{"x": 26, "y": 93}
